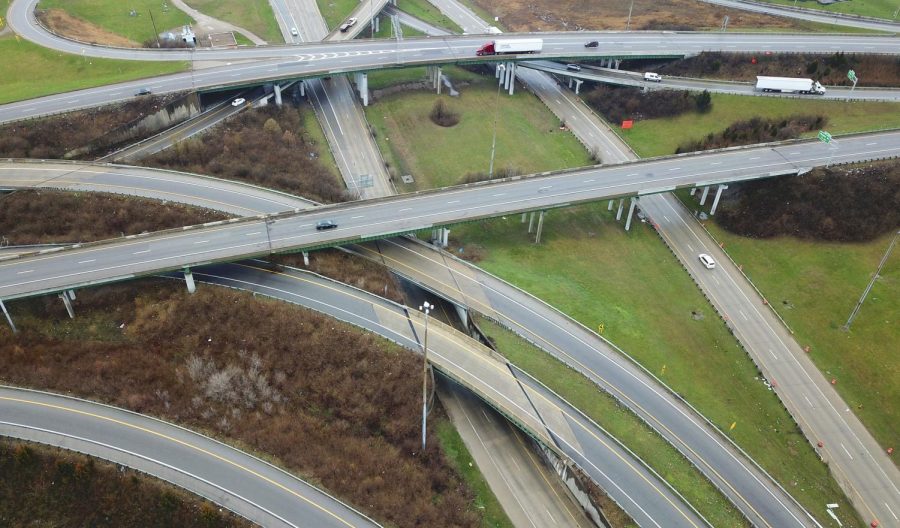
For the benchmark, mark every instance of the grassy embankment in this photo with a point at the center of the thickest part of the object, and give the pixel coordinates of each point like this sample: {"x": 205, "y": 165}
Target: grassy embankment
{"x": 814, "y": 286}
{"x": 51, "y": 72}
{"x": 115, "y": 17}
{"x": 873, "y": 8}
{"x": 660, "y": 137}
{"x": 438, "y": 156}
{"x": 386, "y": 30}
{"x": 255, "y": 16}
{"x": 45, "y": 486}
{"x": 632, "y": 285}
{"x": 426, "y": 12}
{"x": 335, "y": 11}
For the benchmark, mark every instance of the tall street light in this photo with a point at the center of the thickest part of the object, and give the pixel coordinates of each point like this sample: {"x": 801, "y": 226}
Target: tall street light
{"x": 427, "y": 309}
{"x": 502, "y": 69}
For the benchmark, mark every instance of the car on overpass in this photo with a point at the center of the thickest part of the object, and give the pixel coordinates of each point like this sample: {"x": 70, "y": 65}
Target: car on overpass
{"x": 324, "y": 225}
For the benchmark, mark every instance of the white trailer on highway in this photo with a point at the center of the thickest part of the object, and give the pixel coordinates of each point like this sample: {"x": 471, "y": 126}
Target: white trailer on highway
{"x": 789, "y": 85}
{"x": 502, "y": 46}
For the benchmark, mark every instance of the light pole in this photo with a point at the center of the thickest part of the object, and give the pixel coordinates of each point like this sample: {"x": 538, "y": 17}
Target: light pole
{"x": 502, "y": 69}
{"x": 628, "y": 24}
{"x": 427, "y": 309}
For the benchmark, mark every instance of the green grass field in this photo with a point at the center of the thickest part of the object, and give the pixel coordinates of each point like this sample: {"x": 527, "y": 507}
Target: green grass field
{"x": 386, "y": 30}
{"x": 620, "y": 422}
{"x": 814, "y": 286}
{"x": 873, "y": 8}
{"x": 438, "y": 156}
{"x": 115, "y": 16}
{"x": 588, "y": 267}
{"x": 659, "y": 137}
{"x": 313, "y": 127}
{"x": 335, "y": 11}
{"x": 461, "y": 460}
{"x": 253, "y": 15}
{"x": 423, "y": 10}
{"x": 51, "y": 72}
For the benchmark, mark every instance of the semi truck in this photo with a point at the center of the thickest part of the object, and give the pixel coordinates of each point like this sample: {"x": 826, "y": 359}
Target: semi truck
{"x": 789, "y": 85}
{"x": 510, "y": 46}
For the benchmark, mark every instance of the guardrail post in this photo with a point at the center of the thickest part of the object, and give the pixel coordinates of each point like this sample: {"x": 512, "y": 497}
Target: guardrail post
{"x": 8, "y": 317}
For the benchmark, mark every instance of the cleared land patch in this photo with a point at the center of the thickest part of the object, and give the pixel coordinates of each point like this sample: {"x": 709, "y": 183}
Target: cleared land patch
{"x": 438, "y": 156}
{"x": 131, "y": 20}
{"x": 45, "y": 486}
{"x": 51, "y": 72}
{"x": 61, "y": 22}
{"x": 588, "y": 267}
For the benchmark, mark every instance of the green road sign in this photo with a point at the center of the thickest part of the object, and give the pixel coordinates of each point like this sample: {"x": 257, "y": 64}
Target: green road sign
{"x": 851, "y": 75}
{"x": 824, "y": 137}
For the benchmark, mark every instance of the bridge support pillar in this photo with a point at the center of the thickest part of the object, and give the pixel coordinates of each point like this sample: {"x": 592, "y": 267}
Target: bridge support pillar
{"x": 693, "y": 191}
{"x": 531, "y": 222}
{"x": 189, "y": 279}
{"x": 570, "y": 82}
{"x": 377, "y": 21}
{"x": 438, "y": 74}
{"x": 523, "y": 217}
{"x": 445, "y": 238}
{"x": 634, "y": 202}
{"x": 715, "y": 203}
{"x": 497, "y": 70}
{"x": 619, "y": 212}
{"x": 704, "y": 195}
{"x": 71, "y": 294}
{"x": 511, "y": 67}
{"x": 537, "y": 236}
{"x": 8, "y": 317}
{"x": 302, "y": 89}
{"x": 609, "y": 205}
{"x": 306, "y": 258}
{"x": 362, "y": 84}
{"x": 65, "y": 299}
{"x": 278, "y": 95}
{"x": 578, "y": 83}
{"x": 617, "y": 63}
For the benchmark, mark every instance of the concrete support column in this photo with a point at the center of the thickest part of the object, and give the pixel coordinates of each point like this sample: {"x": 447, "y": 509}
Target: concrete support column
{"x": 506, "y": 75}
{"x": 537, "y": 236}
{"x": 703, "y": 196}
{"x": 531, "y": 222}
{"x": 363, "y": 84}
{"x": 570, "y": 82}
{"x": 445, "y": 239}
{"x": 278, "y": 95}
{"x": 609, "y": 205}
{"x": 619, "y": 212}
{"x": 377, "y": 21}
{"x": 693, "y": 191}
{"x": 71, "y": 294}
{"x": 68, "y": 303}
{"x": 630, "y": 213}
{"x": 716, "y": 199}
{"x": 8, "y": 317}
{"x": 189, "y": 279}
{"x": 302, "y": 89}
{"x": 497, "y": 71}
{"x": 617, "y": 63}
{"x": 523, "y": 217}
{"x": 437, "y": 78}
{"x": 578, "y": 83}
{"x": 512, "y": 77}
{"x": 306, "y": 258}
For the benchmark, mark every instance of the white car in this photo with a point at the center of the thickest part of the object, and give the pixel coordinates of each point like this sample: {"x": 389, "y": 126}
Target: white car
{"x": 652, "y": 77}
{"x": 707, "y": 261}
{"x": 238, "y": 102}
{"x": 294, "y": 32}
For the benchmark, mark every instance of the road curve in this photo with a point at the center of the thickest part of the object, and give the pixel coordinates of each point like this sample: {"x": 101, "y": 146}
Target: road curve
{"x": 233, "y": 479}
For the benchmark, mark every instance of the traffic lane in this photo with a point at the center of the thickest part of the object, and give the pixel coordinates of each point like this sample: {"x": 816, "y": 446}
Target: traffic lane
{"x": 378, "y": 218}
{"x": 812, "y": 15}
{"x": 223, "y": 195}
{"x": 245, "y": 483}
{"x": 798, "y": 382}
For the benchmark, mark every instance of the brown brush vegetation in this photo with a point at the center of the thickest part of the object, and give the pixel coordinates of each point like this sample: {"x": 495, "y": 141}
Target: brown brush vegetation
{"x": 267, "y": 147}
{"x": 327, "y": 401}
{"x": 51, "y": 137}
{"x": 45, "y": 486}
{"x": 347, "y": 268}
{"x": 443, "y": 115}
{"x": 52, "y": 217}
{"x": 616, "y": 516}
{"x": 872, "y": 70}
{"x": 575, "y": 15}
{"x": 61, "y": 22}
{"x": 618, "y": 103}
{"x": 756, "y": 130}
{"x": 853, "y": 204}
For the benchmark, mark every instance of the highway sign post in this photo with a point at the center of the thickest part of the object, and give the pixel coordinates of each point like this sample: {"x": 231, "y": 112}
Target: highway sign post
{"x": 852, "y": 76}
{"x": 825, "y": 137}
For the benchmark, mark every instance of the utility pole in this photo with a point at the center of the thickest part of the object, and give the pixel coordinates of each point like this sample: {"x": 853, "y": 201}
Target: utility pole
{"x": 155, "y": 31}
{"x": 865, "y": 293}
{"x": 628, "y": 24}
{"x": 502, "y": 69}
{"x": 427, "y": 309}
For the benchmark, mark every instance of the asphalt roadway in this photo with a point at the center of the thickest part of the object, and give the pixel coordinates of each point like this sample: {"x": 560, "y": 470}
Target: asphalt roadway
{"x": 233, "y": 479}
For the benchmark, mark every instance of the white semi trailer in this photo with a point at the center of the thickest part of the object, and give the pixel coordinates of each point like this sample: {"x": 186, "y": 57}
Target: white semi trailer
{"x": 789, "y": 85}
{"x": 512, "y": 46}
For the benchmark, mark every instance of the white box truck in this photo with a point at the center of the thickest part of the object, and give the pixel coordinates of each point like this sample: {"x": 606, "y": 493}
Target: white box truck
{"x": 789, "y": 85}
{"x": 511, "y": 46}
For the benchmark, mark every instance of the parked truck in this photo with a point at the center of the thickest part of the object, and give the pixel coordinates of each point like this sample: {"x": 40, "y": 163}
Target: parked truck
{"x": 511, "y": 46}
{"x": 789, "y": 85}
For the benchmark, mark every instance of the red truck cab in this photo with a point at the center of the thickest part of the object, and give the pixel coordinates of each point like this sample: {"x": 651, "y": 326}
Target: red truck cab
{"x": 486, "y": 49}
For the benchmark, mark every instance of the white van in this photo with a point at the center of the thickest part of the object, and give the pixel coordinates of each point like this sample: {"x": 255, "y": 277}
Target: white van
{"x": 652, "y": 77}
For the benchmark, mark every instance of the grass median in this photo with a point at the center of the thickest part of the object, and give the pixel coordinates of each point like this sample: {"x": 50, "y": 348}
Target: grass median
{"x": 591, "y": 269}
{"x": 814, "y": 286}
{"x": 660, "y": 137}
{"x": 425, "y": 11}
{"x": 255, "y": 16}
{"x": 136, "y": 20}
{"x": 51, "y": 72}
{"x": 887, "y": 9}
